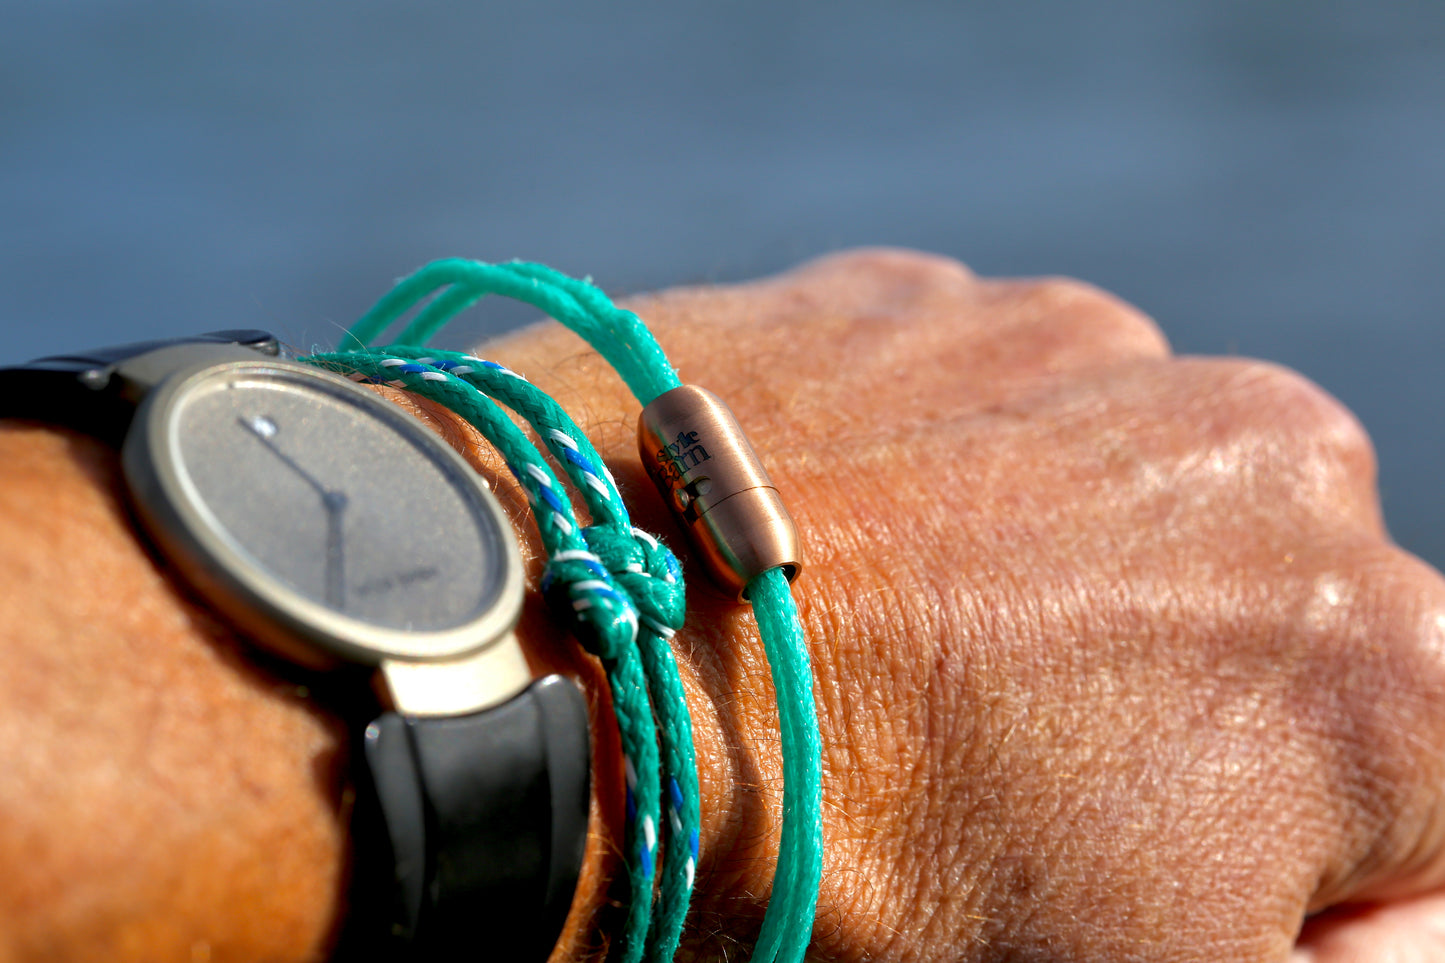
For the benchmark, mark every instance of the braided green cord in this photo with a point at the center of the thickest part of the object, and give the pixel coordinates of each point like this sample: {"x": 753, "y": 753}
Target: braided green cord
{"x": 416, "y": 287}
{"x": 612, "y": 537}
{"x": 562, "y": 537}
{"x": 632, "y": 350}
{"x": 679, "y": 868}
{"x": 539, "y": 410}
{"x": 787, "y": 928}
{"x": 619, "y": 335}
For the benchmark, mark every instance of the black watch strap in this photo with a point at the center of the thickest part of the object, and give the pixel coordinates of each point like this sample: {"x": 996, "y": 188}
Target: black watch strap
{"x": 470, "y": 829}
{"x": 77, "y": 390}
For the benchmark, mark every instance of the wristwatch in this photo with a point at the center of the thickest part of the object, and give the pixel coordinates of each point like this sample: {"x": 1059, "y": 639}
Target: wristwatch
{"x": 337, "y": 533}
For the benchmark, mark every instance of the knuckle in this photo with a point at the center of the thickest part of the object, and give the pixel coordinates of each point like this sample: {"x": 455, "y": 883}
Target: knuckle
{"x": 1403, "y": 599}
{"x": 1296, "y": 408}
{"x": 1373, "y": 600}
{"x": 1298, "y": 451}
{"x": 1362, "y": 635}
{"x": 1098, "y": 322}
{"x": 891, "y": 268}
{"x": 1383, "y": 693}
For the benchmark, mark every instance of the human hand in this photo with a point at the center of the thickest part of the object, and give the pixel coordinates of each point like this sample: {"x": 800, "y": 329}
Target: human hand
{"x": 1113, "y": 658}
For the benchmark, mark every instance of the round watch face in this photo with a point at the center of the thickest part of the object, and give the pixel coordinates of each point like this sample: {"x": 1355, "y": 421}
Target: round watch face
{"x": 318, "y": 515}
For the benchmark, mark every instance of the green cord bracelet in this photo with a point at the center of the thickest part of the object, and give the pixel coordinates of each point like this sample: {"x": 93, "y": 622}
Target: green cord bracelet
{"x": 607, "y": 621}
{"x": 625, "y": 342}
{"x": 618, "y": 335}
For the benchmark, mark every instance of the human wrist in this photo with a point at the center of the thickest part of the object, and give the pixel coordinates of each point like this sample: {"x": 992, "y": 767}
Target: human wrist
{"x": 169, "y": 792}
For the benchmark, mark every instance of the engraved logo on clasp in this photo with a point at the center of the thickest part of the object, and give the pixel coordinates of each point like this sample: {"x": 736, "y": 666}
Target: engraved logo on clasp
{"x": 680, "y": 456}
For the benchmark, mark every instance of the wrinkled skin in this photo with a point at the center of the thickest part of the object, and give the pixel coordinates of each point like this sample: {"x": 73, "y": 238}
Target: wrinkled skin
{"x": 1114, "y": 659}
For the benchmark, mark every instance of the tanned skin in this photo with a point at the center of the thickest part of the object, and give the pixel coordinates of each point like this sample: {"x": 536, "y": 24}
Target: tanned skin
{"x": 1114, "y": 659}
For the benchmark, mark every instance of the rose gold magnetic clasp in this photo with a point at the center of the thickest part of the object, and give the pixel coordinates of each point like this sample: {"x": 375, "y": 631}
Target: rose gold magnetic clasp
{"x": 709, "y": 475}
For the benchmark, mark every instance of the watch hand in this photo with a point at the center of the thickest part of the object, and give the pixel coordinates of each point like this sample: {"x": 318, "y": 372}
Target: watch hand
{"x": 265, "y": 429}
{"x": 334, "y": 501}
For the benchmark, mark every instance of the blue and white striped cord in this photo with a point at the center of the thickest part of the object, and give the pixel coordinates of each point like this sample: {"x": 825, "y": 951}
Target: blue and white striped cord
{"x": 653, "y": 580}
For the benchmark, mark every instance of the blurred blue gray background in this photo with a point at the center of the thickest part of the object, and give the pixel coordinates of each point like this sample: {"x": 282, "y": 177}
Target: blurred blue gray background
{"x": 1262, "y": 177}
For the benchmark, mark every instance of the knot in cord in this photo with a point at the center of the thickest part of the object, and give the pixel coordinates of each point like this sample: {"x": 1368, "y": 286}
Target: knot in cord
{"x": 646, "y": 570}
{"x": 576, "y": 584}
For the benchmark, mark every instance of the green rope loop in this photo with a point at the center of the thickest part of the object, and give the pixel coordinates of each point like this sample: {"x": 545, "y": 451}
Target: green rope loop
{"x": 619, "y": 335}
{"x": 650, "y": 574}
{"x": 588, "y": 472}
{"x": 787, "y": 926}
